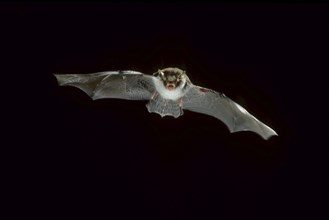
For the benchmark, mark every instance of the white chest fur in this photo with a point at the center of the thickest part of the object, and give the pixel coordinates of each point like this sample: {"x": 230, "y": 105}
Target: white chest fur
{"x": 167, "y": 94}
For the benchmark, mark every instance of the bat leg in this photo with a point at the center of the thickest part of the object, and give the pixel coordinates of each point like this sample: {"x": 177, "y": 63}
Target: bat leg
{"x": 181, "y": 105}
{"x": 154, "y": 95}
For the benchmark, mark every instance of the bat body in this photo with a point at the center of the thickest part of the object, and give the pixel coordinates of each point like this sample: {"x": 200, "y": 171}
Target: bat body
{"x": 169, "y": 92}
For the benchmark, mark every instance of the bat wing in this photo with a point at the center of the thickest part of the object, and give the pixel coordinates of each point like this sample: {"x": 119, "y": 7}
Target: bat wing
{"x": 114, "y": 84}
{"x": 216, "y": 104}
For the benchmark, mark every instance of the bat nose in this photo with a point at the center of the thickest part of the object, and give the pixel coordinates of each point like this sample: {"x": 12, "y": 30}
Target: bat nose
{"x": 171, "y": 86}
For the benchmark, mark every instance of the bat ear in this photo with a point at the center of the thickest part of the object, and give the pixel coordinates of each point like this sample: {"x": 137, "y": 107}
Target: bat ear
{"x": 157, "y": 73}
{"x": 160, "y": 73}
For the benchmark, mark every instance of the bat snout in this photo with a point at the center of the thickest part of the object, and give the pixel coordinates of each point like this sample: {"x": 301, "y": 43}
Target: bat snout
{"x": 171, "y": 86}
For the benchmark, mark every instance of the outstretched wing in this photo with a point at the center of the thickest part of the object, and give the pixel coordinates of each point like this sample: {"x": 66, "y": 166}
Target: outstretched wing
{"x": 216, "y": 104}
{"x": 114, "y": 84}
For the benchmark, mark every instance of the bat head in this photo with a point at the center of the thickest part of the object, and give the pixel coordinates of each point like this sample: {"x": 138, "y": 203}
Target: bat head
{"x": 171, "y": 78}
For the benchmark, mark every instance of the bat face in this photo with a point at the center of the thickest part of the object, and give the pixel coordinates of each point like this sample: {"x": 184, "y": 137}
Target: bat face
{"x": 171, "y": 78}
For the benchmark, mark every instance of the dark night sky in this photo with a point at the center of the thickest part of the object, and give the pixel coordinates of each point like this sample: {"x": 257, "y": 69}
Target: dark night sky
{"x": 266, "y": 57}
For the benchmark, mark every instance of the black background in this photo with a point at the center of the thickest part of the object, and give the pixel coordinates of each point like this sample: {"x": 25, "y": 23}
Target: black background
{"x": 73, "y": 153}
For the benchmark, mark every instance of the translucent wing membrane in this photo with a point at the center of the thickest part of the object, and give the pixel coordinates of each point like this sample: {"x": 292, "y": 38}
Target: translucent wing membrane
{"x": 122, "y": 85}
{"x": 235, "y": 117}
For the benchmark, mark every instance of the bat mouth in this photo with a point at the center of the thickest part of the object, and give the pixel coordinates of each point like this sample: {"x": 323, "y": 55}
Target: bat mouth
{"x": 171, "y": 86}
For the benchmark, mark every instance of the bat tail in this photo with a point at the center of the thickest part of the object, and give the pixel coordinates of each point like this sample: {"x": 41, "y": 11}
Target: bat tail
{"x": 164, "y": 107}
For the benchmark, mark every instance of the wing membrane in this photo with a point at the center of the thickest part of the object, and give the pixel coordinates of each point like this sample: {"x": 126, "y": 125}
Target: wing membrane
{"x": 122, "y": 85}
{"x": 215, "y": 104}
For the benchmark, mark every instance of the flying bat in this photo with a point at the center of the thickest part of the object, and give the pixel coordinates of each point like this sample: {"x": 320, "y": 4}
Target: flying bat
{"x": 169, "y": 92}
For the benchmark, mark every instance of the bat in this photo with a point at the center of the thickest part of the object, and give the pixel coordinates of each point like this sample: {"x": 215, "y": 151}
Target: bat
{"x": 169, "y": 91}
